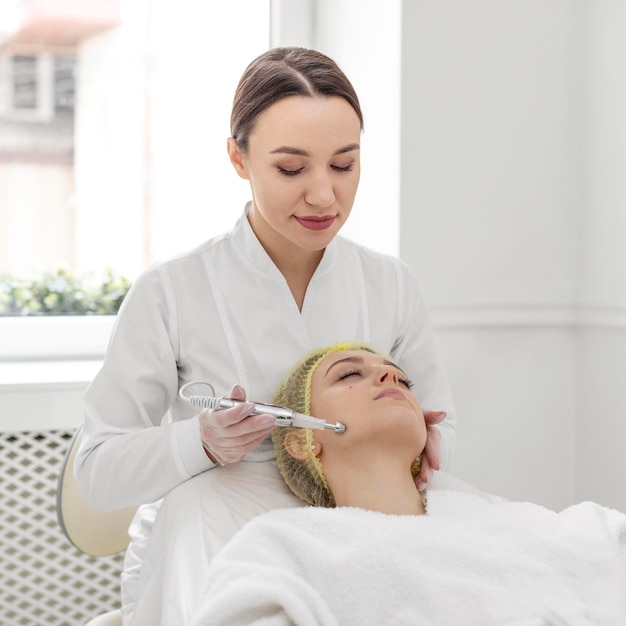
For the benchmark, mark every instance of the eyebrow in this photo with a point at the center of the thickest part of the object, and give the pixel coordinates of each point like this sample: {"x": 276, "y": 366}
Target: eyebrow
{"x": 359, "y": 359}
{"x": 299, "y": 152}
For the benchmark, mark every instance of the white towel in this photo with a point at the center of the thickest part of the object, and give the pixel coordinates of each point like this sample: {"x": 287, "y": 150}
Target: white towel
{"x": 468, "y": 562}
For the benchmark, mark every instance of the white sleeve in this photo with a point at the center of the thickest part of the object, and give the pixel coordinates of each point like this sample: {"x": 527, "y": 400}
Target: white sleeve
{"x": 416, "y": 352}
{"x": 127, "y": 457}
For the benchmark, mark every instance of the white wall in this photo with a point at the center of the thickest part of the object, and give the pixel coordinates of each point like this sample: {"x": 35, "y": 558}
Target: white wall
{"x": 601, "y": 464}
{"x": 489, "y": 150}
{"x": 515, "y": 395}
{"x": 512, "y": 212}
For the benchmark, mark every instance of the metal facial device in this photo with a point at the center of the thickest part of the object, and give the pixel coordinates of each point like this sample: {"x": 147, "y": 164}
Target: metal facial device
{"x": 283, "y": 415}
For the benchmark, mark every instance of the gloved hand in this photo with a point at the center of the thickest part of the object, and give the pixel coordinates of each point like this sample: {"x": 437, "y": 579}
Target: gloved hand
{"x": 229, "y": 434}
{"x": 431, "y": 457}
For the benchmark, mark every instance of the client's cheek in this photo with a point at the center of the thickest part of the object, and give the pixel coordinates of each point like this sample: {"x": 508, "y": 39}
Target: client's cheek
{"x": 325, "y": 404}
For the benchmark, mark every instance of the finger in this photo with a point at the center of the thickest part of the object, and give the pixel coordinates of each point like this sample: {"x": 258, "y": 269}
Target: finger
{"x": 223, "y": 418}
{"x": 253, "y": 443}
{"x": 237, "y": 392}
{"x": 434, "y": 417}
{"x": 244, "y": 439}
{"x": 433, "y": 447}
{"x": 238, "y": 421}
{"x": 231, "y": 451}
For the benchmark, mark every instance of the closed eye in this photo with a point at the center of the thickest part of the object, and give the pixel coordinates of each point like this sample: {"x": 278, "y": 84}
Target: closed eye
{"x": 286, "y": 172}
{"x": 337, "y": 168}
{"x": 346, "y": 168}
{"x": 348, "y": 373}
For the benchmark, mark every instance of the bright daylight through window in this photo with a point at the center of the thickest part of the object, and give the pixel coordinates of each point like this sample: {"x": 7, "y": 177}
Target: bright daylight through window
{"x": 113, "y": 124}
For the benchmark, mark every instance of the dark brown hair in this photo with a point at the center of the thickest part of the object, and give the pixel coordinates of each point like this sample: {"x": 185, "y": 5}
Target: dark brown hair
{"x": 280, "y": 73}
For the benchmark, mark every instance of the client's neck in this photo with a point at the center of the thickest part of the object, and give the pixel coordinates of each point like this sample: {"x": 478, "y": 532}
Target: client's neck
{"x": 384, "y": 489}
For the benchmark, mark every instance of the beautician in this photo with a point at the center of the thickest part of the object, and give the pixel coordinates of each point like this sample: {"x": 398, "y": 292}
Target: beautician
{"x": 240, "y": 308}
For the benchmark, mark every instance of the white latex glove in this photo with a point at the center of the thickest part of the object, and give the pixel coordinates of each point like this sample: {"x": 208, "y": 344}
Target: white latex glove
{"x": 229, "y": 434}
{"x": 431, "y": 457}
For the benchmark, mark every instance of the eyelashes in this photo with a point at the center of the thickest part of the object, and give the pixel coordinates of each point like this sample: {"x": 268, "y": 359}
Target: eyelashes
{"x": 285, "y": 172}
{"x": 348, "y": 373}
{"x": 346, "y": 168}
{"x": 336, "y": 168}
{"x": 408, "y": 383}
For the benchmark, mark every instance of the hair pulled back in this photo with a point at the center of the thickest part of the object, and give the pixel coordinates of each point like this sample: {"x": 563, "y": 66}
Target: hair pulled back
{"x": 280, "y": 73}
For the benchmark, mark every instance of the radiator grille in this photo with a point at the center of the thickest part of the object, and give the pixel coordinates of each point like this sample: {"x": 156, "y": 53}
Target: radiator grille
{"x": 44, "y": 579}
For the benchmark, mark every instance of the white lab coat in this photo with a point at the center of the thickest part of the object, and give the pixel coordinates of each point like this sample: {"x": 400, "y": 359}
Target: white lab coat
{"x": 223, "y": 313}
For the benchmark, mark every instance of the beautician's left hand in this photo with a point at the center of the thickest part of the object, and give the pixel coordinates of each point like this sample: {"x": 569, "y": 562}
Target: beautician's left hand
{"x": 431, "y": 457}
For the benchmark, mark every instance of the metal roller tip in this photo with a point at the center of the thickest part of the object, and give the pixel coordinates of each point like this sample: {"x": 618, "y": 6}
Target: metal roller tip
{"x": 338, "y": 427}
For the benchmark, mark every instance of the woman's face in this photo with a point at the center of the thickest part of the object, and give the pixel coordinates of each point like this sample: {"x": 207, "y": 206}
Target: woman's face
{"x": 371, "y": 396}
{"x": 303, "y": 166}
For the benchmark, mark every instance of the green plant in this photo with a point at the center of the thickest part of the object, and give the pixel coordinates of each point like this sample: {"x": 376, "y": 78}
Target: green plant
{"x": 61, "y": 293}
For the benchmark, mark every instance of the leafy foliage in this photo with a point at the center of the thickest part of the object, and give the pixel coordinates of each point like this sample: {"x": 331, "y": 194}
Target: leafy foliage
{"x": 61, "y": 293}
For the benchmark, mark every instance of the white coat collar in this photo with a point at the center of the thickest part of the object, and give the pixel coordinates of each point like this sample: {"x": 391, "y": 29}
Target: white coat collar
{"x": 250, "y": 247}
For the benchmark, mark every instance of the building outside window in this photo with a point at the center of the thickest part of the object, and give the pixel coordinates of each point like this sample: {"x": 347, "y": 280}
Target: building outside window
{"x": 24, "y": 83}
{"x": 37, "y": 87}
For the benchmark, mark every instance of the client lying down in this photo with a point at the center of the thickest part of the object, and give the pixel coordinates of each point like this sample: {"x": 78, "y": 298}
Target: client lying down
{"x": 372, "y": 550}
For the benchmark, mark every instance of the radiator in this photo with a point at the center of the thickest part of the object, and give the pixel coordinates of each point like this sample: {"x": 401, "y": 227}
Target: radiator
{"x": 44, "y": 579}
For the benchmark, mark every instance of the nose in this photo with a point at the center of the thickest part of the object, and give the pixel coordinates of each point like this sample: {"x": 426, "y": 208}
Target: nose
{"x": 320, "y": 191}
{"x": 388, "y": 375}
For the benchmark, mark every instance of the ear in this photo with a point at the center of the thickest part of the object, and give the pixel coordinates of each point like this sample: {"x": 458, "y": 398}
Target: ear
{"x": 296, "y": 446}
{"x": 236, "y": 158}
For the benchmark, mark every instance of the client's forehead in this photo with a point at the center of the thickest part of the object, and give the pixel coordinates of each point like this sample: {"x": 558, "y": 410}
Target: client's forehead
{"x": 354, "y": 356}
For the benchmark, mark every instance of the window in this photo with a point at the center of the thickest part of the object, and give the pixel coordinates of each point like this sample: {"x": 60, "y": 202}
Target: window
{"x": 36, "y": 87}
{"x": 25, "y": 82}
{"x": 112, "y": 147}
{"x": 63, "y": 86}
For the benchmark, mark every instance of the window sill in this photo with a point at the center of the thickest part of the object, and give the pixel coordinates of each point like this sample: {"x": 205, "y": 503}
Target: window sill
{"x": 46, "y": 363}
{"x": 54, "y": 338}
{"x": 40, "y": 376}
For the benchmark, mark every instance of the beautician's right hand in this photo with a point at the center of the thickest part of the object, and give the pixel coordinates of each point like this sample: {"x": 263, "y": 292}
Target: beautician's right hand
{"x": 229, "y": 434}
